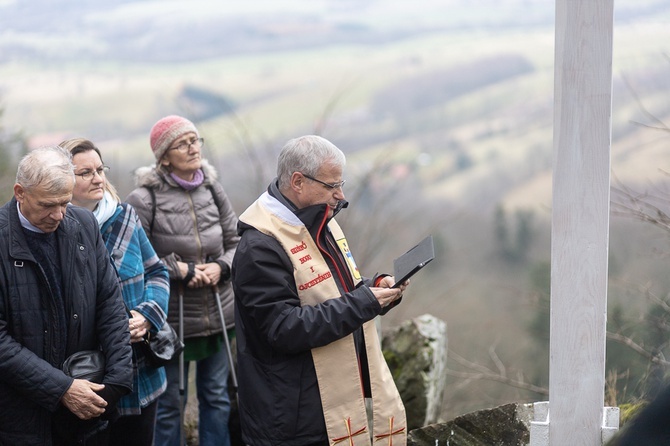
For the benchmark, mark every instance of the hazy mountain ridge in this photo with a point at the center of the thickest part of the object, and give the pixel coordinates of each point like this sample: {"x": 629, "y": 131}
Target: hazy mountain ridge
{"x": 170, "y": 31}
{"x": 467, "y": 84}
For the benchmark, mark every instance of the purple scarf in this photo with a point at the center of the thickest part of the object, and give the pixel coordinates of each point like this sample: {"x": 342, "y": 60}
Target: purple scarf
{"x": 198, "y": 178}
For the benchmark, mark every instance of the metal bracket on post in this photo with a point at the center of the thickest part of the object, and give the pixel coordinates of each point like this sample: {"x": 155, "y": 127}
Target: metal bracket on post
{"x": 610, "y": 423}
{"x": 539, "y": 427}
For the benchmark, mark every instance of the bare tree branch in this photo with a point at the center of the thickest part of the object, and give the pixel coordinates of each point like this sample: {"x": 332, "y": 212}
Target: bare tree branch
{"x": 662, "y": 125}
{"x": 329, "y": 109}
{"x": 496, "y": 359}
{"x": 649, "y": 126}
{"x": 641, "y": 206}
{"x": 501, "y": 379}
{"x": 255, "y": 156}
{"x": 625, "y": 340}
{"x": 481, "y": 372}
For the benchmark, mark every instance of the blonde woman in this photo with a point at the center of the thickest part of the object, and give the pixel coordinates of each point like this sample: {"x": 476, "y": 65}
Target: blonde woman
{"x": 144, "y": 283}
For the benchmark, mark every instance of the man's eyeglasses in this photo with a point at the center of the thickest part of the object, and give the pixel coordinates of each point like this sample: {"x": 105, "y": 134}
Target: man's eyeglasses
{"x": 88, "y": 175}
{"x": 328, "y": 185}
{"x": 185, "y": 146}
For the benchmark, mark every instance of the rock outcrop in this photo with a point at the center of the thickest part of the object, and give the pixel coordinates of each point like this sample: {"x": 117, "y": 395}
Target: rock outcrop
{"x": 506, "y": 425}
{"x": 416, "y": 353}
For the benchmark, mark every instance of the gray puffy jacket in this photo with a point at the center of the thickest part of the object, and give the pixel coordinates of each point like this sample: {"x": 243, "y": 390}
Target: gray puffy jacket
{"x": 190, "y": 226}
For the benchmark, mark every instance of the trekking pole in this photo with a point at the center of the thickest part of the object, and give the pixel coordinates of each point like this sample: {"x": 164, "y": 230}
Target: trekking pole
{"x": 233, "y": 375}
{"x": 182, "y": 380}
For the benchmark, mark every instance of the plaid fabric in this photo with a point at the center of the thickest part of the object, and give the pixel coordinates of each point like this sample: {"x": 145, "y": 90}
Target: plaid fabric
{"x": 146, "y": 289}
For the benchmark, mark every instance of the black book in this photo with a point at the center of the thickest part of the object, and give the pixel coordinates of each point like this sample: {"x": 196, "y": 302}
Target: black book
{"x": 413, "y": 260}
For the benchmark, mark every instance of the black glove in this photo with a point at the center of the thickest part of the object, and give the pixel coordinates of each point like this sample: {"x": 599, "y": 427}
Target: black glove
{"x": 112, "y": 394}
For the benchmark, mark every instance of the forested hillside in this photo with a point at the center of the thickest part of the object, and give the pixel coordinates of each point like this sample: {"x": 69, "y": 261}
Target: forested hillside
{"x": 444, "y": 109}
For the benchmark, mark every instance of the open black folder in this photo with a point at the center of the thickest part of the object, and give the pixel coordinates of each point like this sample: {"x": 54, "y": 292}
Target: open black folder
{"x": 413, "y": 260}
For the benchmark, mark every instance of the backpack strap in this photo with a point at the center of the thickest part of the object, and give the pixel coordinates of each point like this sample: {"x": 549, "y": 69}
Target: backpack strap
{"x": 225, "y": 269}
{"x": 210, "y": 186}
{"x": 152, "y": 192}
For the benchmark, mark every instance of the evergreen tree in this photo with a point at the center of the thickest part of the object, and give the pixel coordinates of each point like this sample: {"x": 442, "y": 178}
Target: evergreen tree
{"x": 538, "y": 327}
{"x": 501, "y": 231}
{"x": 513, "y": 250}
{"x": 524, "y": 234}
{"x": 12, "y": 146}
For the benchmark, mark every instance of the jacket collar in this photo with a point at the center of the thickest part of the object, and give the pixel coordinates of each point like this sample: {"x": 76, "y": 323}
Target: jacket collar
{"x": 311, "y": 215}
{"x": 149, "y": 176}
{"x": 18, "y": 246}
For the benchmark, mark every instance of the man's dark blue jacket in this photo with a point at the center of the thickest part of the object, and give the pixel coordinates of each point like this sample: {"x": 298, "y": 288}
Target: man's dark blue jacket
{"x": 31, "y": 381}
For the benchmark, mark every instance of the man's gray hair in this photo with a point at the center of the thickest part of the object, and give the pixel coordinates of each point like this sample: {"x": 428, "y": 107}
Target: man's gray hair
{"x": 306, "y": 154}
{"x": 50, "y": 167}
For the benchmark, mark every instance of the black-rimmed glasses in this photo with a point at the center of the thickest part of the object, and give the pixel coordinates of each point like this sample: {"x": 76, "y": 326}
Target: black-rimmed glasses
{"x": 328, "y": 185}
{"x": 185, "y": 146}
{"x": 88, "y": 175}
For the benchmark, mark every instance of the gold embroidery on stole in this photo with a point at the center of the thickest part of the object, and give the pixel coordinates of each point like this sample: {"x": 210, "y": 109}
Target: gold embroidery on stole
{"x": 336, "y": 364}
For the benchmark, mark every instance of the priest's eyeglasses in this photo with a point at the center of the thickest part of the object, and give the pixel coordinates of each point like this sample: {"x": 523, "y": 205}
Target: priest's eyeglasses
{"x": 331, "y": 186}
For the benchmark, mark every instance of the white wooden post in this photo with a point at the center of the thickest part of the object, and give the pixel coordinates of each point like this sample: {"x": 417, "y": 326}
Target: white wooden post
{"x": 580, "y": 220}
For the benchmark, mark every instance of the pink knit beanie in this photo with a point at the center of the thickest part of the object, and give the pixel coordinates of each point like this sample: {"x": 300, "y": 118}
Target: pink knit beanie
{"x": 166, "y": 130}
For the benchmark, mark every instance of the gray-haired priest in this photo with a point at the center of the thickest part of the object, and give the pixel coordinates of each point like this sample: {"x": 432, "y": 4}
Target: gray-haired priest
{"x": 310, "y": 363}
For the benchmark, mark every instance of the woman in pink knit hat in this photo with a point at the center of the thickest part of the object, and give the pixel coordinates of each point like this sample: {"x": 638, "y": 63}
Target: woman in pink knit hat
{"x": 193, "y": 228}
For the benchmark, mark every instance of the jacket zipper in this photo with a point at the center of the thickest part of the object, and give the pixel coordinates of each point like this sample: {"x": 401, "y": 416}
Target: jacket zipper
{"x": 324, "y": 250}
{"x": 200, "y": 257}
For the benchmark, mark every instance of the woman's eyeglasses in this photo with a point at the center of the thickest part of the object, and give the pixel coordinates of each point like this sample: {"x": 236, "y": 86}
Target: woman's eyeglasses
{"x": 88, "y": 175}
{"x": 185, "y": 146}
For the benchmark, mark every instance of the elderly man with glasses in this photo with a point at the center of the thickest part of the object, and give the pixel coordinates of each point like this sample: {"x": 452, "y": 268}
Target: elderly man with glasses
{"x": 310, "y": 364}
